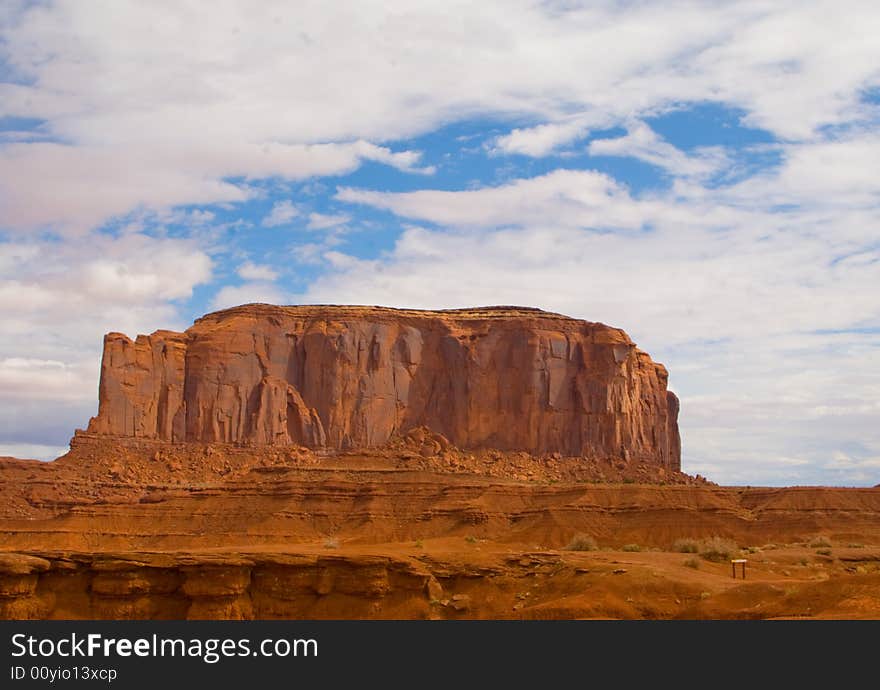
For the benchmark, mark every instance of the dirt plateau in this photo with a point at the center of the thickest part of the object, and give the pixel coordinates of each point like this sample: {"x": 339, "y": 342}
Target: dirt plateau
{"x": 361, "y": 462}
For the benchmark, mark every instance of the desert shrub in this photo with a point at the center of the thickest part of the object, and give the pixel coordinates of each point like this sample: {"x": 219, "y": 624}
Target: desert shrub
{"x": 856, "y": 545}
{"x": 819, "y": 542}
{"x": 718, "y": 549}
{"x": 633, "y": 548}
{"x": 823, "y": 552}
{"x": 470, "y": 539}
{"x": 711, "y": 548}
{"x": 582, "y": 542}
{"x": 419, "y": 544}
{"x": 331, "y": 544}
{"x": 686, "y": 546}
{"x": 692, "y": 563}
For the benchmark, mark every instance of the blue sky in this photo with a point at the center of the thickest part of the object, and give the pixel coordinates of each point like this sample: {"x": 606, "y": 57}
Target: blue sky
{"x": 702, "y": 175}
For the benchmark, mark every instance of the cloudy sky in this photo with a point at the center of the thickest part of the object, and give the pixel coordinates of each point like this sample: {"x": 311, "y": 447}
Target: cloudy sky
{"x": 704, "y": 175}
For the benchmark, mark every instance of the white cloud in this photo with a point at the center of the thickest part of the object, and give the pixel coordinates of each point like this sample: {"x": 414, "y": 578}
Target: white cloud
{"x": 58, "y": 299}
{"x": 406, "y": 161}
{"x": 48, "y": 380}
{"x": 690, "y": 247}
{"x": 257, "y": 272}
{"x": 643, "y": 143}
{"x": 135, "y": 121}
{"x": 248, "y": 293}
{"x": 67, "y": 282}
{"x": 575, "y": 198}
{"x": 321, "y": 221}
{"x": 317, "y": 253}
{"x": 540, "y": 140}
{"x": 76, "y": 188}
{"x": 282, "y": 213}
{"x": 834, "y": 173}
{"x": 309, "y": 253}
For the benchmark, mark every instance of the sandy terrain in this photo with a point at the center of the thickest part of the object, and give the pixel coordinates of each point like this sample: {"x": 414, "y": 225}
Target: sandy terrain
{"x": 139, "y": 530}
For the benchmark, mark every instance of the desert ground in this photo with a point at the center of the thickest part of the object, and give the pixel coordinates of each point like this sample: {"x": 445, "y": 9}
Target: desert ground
{"x": 127, "y": 529}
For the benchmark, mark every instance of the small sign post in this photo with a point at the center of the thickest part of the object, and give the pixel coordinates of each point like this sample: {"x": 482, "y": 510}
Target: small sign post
{"x": 733, "y": 564}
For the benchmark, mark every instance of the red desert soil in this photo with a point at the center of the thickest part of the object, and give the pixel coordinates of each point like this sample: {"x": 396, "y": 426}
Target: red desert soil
{"x": 307, "y": 462}
{"x": 120, "y": 528}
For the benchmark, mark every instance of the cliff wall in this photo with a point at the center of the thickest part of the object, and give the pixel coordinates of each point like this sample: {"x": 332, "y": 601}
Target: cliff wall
{"x": 348, "y": 377}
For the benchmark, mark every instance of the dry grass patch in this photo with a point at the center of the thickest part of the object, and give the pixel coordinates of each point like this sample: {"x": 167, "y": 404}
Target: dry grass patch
{"x": 582, "y": 542}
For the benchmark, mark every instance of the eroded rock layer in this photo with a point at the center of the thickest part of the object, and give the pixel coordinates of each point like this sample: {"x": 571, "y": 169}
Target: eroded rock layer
{"x": 346, "y": 377}
{"x": 135, "y": 528}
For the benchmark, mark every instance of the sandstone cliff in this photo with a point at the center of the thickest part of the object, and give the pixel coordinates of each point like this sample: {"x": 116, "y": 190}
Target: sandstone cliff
{"x": 344, "y": 377}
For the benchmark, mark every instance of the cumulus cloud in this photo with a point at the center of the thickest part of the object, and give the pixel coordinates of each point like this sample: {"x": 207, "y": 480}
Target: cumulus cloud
{"x": 643, "y": 143}
{"x": 49, "y": 282}
{"x": 58, "y": 299}
{"x": 577, "y": 198}
{"x": 72, "y": 189}
{"x": 131, "y": 120}
{"x": 44, "y": 379}
{"x": 322, "y": 221}
{"x": 252, "y": 271}
{"x": 282, "y": 213}
{"x": 541, "y": 139}
{"x": 250, "y": 292}
{"x": 835, "y": 173}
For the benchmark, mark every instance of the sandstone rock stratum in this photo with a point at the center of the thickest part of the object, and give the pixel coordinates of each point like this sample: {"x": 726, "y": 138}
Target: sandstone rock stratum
{"x": 343, "y": 377}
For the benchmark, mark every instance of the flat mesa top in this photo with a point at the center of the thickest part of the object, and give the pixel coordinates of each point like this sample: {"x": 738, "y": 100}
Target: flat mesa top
{"x": 348, "y": 310}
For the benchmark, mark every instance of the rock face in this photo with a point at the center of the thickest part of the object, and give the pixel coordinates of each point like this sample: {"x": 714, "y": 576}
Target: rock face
{"x": 346, "y": 377}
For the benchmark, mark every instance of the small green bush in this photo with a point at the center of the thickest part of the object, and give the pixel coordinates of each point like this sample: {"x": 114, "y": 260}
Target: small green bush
{"x": 632, "y": 548}
{"x": 582, "y": 542}
{"x": 692, "y": 563}
{"x": 470, "y": 539}
{"x": 823, "y": 552}
{"x": 819, "y": 542}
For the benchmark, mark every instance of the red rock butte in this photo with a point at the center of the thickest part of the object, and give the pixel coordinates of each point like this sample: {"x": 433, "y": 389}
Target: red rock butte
{"x": 342, "y": 377}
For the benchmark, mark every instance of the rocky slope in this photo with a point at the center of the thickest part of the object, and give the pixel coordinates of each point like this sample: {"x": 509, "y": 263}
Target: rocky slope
{"x": 507, "y": 378}
{"x": 136, "y": 528}
{"x": 145, "y": 529}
